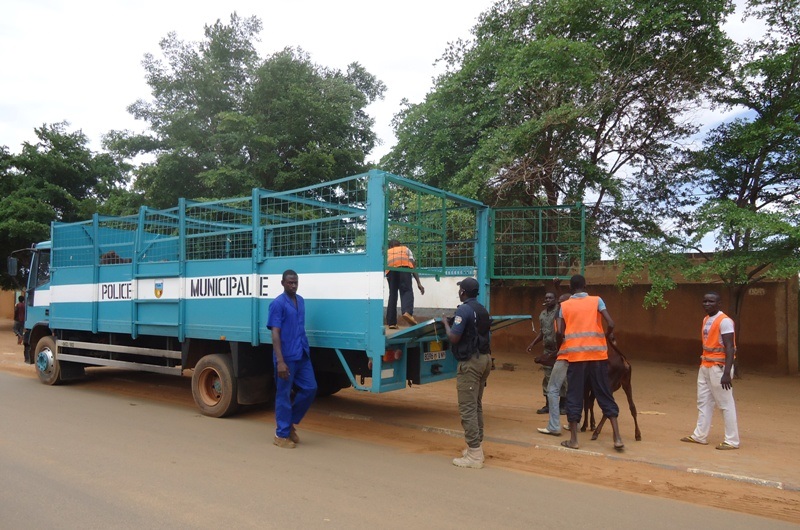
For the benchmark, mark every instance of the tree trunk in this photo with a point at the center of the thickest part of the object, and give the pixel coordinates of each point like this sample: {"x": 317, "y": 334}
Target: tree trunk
{"x": 736, "y": 294}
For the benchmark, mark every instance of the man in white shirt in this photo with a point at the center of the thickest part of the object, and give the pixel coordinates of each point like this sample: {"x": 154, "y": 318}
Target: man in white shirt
{"x": 714, "y": 387}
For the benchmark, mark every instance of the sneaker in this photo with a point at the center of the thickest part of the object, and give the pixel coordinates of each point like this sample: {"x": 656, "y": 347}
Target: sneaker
{"x": 285, "y": 443}
{"x": 725, "y": 446}
{"x": 410, "y": 319}
{"x": 393, "y": 326}
{"x": 544, "y": 430}
{"x": 543, "y": 410}
{"x": 293, "y": 435}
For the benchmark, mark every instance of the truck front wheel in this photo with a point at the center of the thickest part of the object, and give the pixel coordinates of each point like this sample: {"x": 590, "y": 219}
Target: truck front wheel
{"x": 47, "y": 366}
{"x": 214, "y": 386}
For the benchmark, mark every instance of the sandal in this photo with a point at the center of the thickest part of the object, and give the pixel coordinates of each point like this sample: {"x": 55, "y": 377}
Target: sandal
{"x": 691, "y": 440}
{"x": 725, "y": 446}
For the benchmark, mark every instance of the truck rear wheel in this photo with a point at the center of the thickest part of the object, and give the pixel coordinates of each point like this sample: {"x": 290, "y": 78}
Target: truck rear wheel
{"x": 47, "y": 366}
{"x": 214, "y": 386}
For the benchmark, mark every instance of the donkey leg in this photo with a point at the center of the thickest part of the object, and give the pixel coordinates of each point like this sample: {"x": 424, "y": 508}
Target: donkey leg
{"x": 629, "y": 393}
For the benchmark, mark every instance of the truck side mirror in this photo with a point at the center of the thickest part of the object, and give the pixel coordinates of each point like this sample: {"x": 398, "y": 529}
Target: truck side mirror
{"x": 13, "y": 266}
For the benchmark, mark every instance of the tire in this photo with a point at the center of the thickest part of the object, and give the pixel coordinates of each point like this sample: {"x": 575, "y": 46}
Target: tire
{"x": 214, "y": 386}
{"x": 47, "y": 366}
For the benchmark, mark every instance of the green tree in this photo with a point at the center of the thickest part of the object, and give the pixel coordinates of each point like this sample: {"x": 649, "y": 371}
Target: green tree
{"x": 223, "y": 120}
{"x": 561, "y": 101}
{"x": 552, "y": 101}
{"x": 741, "y": 190}
{"x": 310, "y": 123}
{"x": 56, "y": 179}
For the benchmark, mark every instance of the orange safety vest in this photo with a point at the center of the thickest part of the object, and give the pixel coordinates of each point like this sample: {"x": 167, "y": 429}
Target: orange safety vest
{"x": 713, "y": 350}
{"x": 398, "y": 257}
{"x": 584, "y": 338}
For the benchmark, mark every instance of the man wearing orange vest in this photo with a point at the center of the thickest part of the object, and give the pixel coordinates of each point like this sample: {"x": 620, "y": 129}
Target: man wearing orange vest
{"x": 582, "y": 339}
{"x": 400, "y": 281}
{"x": 714, "y": 385}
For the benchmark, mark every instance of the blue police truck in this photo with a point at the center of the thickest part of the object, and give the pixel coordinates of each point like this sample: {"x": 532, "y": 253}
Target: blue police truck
{"x": 189, "y": 287}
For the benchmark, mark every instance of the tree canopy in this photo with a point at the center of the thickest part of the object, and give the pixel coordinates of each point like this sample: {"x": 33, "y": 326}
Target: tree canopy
{"x": 741, "y": 190}
{"x": 553, "y": 100}
{"x": 56, "y": 179}
{"x": 223, "y": 120}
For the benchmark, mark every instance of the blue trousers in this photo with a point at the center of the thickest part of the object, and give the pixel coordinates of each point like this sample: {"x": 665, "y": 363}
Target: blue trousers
{"x": 596, "y": 372}
{"x": 290, "y": 412}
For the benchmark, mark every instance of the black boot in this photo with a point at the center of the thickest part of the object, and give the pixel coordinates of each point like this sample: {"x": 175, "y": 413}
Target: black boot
{"x": 544, "y": 410}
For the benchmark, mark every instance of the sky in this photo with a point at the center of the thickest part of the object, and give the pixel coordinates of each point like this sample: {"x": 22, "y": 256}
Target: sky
{"x": 80, "y": 61}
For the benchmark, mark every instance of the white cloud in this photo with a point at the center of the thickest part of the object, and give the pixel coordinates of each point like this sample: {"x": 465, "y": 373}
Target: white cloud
{"x": 80, "y": 61}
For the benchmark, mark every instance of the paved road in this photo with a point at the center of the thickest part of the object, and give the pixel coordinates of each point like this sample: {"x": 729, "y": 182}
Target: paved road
{"x": 73, "y": 457}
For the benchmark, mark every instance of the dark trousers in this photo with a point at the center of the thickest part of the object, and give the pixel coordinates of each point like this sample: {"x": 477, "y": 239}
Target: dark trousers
{"x": 399, "y": 282}
{"x": 596, "y": 372}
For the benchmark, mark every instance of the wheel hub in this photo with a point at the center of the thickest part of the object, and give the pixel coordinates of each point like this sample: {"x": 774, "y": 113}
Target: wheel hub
{"x": 44, "y": 361}
{"x": 210, "y": 387}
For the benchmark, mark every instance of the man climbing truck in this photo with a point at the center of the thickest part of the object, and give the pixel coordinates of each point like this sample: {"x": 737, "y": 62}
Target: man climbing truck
{"x": 189, "y": 287}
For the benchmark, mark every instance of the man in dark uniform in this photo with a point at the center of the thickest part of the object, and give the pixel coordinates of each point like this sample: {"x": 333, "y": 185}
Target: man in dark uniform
{"x": 469, "y": 341}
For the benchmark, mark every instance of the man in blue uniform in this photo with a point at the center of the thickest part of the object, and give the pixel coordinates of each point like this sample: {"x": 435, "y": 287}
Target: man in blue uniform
{"x": 291, "y": 356}
{"x": 469, "y": 342}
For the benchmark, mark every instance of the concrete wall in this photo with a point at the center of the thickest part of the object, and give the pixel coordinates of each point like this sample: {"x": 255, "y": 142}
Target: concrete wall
{"x": 766, "y": 341}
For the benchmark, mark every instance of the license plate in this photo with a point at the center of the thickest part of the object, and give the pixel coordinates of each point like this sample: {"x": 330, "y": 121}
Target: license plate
{"x": 434, "y": 355}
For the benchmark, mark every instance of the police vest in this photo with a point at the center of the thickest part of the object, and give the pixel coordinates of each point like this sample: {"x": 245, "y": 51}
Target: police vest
{"x": 476, "y": 334}
{"x": 584, "y": 338}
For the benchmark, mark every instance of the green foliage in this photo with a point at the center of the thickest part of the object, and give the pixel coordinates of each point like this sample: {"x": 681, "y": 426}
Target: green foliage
{"x": 56, "y": 179}
{"x": 652, "y": 262}
{"x": 553, "y": 100}
{"x": 224, "y": 120}
{"x": 741, "y": 189}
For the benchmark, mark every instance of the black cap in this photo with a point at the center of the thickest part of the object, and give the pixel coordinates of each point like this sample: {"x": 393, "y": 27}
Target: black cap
{"x": 469, "y": 285}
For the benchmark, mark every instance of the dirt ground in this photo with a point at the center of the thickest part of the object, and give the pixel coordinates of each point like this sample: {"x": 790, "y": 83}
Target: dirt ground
{"x": 761, "y": 478}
